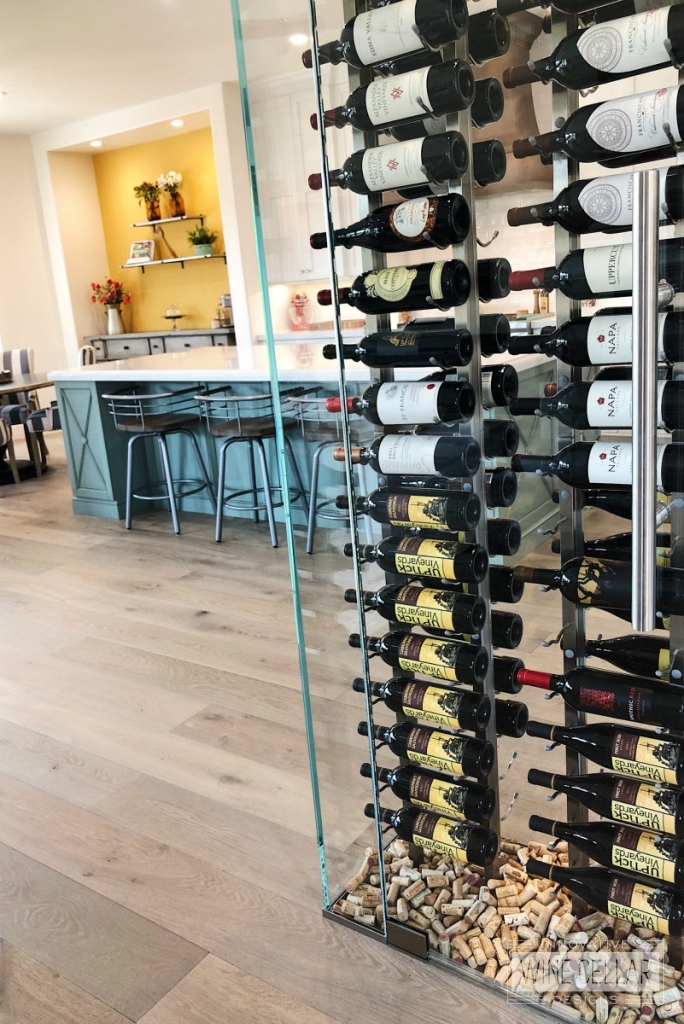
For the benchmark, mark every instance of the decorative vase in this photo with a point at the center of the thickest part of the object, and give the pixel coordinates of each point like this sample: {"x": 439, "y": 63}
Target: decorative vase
{"x": 176, "y": 204}
{"x": 114, "y": 322}
{"x": 153, "y": 209}
{"x": 204, "y": 250}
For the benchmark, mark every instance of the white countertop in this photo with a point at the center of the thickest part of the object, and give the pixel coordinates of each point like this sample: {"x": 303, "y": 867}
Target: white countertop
{"x": 218, "y": 365}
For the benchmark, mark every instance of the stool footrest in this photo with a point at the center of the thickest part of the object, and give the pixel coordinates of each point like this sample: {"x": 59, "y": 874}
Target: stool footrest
{"x": 182, "y": 492}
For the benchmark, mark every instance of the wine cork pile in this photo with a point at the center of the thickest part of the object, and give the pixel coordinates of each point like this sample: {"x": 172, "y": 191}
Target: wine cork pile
{"x": 520, "y": 931}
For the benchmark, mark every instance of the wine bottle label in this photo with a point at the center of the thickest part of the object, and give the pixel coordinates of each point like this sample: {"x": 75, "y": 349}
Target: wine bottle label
{"x": 640, "y": 904}
{"x": 393, "y": 99}
{"x": 414, "y": 218}
{"x": 610, "y": 200}
{"x": 436, "y": 281}
{"x": 434, "y": 558}
{"x": 664, "y": 659}
{"x": 608, "y": 268}
{"x": 422, "y": 607}
{"x": 408, "y": 402}
{"x": 648, "y": 757}
{"x": 634, "y": 123}
{"x": 609, "y": 339}
{"x": 628, "y": 44}
{"x": 435, "y": 794}
{"x": 387, "y": 32}
{"x": 390, "y": 285}
{"x": 642, "y": 804}
{"x": 644, "y": 853}
{"x": 432, "y": 704}
{"x": 610, "y": 462}
{"x": 442, "y": 836}
{"x": 417, "y": 510}
{"x": 394, "y": 166}
{"x": 436, "y": 749}
{"x": 407, "y": 454}
{"x": 429, "y": 657}
{"x": 609, "y": 403}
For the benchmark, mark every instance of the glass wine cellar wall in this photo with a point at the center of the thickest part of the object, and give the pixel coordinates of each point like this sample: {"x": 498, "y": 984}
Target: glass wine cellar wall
{"x": 444, "y": 206}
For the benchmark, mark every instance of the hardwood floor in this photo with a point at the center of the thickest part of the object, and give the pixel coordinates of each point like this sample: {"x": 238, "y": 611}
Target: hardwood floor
{"x": 157, "y": 852}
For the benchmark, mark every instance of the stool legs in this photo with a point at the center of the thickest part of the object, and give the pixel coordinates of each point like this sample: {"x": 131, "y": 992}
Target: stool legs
{"x": 252, "y": 478}
{"x": 166, "y": 464}
{"x": 129, "y": 480}
{"x": 268, "y": 501}
{"x": 218, "y": 535}
{"x": 202, "y": 467}
{"x": 313, "y": 496}
{"x": 298, "y": 480}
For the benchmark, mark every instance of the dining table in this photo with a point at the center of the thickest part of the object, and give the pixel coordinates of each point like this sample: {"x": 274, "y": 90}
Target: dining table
{"x": 20, "y": 382}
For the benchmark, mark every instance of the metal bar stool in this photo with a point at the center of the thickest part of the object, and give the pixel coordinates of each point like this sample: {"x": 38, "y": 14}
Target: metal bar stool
{"x": 226, "y": 417}
{"x": 318, "y": 425}
{"x": 158, "y": 414}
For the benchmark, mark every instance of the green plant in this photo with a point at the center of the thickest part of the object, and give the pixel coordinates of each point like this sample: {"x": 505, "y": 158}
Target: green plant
{"x": 147, "y": 191}
{"x": 202, "y": 236}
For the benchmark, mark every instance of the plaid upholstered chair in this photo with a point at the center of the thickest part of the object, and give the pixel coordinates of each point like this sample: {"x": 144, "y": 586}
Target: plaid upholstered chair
{"x": 7, "y": 443}
{"x": 36, "y": 422}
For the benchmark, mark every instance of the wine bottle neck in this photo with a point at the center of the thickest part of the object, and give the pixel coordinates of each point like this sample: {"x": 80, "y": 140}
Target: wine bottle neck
{"x": 544, "y": 465}
{"x": 545, "y": 578}
{"x": 529, "y": 677}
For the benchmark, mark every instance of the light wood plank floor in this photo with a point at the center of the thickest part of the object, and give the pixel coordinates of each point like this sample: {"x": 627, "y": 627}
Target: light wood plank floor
{"x": 157, "y": 852}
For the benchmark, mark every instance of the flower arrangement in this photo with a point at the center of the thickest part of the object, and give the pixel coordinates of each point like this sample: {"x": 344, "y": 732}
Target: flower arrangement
{"x": 111, "y": 293}
{"x": 147, "y": 191}
{"x": 170, "y": 182}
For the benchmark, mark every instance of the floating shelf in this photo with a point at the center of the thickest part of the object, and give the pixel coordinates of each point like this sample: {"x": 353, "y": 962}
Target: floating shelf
{"x": 178, "y": 259}
{"x": 164, "y": 220}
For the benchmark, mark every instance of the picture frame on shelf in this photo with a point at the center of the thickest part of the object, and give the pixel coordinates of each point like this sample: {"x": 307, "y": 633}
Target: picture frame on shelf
{"x": 142, "y": 251}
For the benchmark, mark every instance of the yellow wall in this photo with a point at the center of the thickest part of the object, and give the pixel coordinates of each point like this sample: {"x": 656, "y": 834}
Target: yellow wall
{"x": 195, "y": 289}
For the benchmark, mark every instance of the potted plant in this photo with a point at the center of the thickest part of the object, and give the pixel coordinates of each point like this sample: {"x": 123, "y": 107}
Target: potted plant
{"x": 203, "y": 240}
{"x": 112, "y": 295}
{"x": 170, "y": 183}
{"x": 148, "y": 192}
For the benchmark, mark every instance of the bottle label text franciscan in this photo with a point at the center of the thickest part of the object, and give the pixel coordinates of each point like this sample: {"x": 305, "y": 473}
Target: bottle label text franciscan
{"x": 634, "y": 123}
{"x": 626, "y": 45}
{"x": 408, "y": 402}
{"x": 640, "y": 904}
{"x": 645, "y": 853}
{"x": 387, "y": 32}
{"x": 610, "y": 200}
{"x": 436, "y": 750}
{"x": 390, "y": 100}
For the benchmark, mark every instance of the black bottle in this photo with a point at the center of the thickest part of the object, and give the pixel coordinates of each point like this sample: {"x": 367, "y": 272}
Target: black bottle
{"x": 604, "y": 404}
{"x": 455, "y": 662}
{"x": 425, "y": 286}
{"x": 446, "y": 751}
{"x": 439, "y": 705}
{"x": 461, "y": 841}
{"x": 414, "y": 346}
{"x": 434, "y": 559}
{"x": 452, "y": 512}
{"x": 413, "y": 605}
{"x": 434, "y": 221}
{"x": 459, "y": 798}
{"x": 604, "y": 463}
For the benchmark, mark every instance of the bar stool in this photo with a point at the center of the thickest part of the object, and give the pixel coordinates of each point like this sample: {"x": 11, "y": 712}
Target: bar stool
{"x": 318, "y": 425}
{"x": 159, "y": 414}
{"x": 250, "y": 420}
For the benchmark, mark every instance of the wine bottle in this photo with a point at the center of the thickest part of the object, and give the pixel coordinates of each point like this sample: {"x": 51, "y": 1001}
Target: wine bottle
{"x": 430, "y": 222}
{"x": 621, "y": 847}
{"x": 619, "y": 503}
{"x": 492, "y": 279}
{"x": 429, "y": 92}
{"x": 604, "y": 403}
{"x": 603, "y": 339}
{"x": 511, "y": 718}
{"x": 435, "y": 559}
{"x": 619, "y": 548}
{"x": 487, "y": 107}
{"x": 607, "y": 463}
{"x": 451, "y": 512}
{"x": 646, "y": 755}
{"x": 495, "y": 334}
{"x": 603, "y": 272}
{"x": 449, "y": 348}
{"x": 401, "y": 28}
{"x": 656, "y": 807}
{"x": 628, "y": 900}
{"x": 507, "y": 632}
{"x": 647, "y": 655}
{"x": 426, "y": 286}
{"x": 628, "y": 698}
{"x": 384, "y": 168}
{"x": 489, "y": 166}
{"x": 608, "y": 52}
{"x": 499, "y": 385}
{"x": 463, "y": 842}
{"x": 501, "y": 484}
{"x": 459, "y": 798}
{"x": 504, "y": 586}
{"x": 403, "y": 402}
{"x": 459, "y": 663}
{"x": 503, "y": 536}
{"x": 489, "y": 36}
{"x": 508, "y": 7}
{"x": 621, "y": 9}
{"x": 413, "y": 455}
{"x": 445, "y": 751}
{"x": 501, "y": 439}
{"x": 425, "y": 606}
{"x": 603, "y": 204}
{"x": 440, "y": 705}
{"x": 619, "y": 132}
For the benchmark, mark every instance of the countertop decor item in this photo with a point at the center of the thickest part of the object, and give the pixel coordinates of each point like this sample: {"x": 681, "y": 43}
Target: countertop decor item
{"x": 170, "y": 183}
{"x": 148, "y": 192}
{"x": 203, "y": 240}
{"x": 112, "y": 295}
{"x": 298, "y": 316}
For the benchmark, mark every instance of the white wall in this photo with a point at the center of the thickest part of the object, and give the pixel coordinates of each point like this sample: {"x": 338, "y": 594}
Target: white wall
{"x": 28, "y": 306}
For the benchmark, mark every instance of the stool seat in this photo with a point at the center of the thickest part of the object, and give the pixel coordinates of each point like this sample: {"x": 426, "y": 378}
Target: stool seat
{"x": 154, "y": 423}
{"x": 249, "y": 426}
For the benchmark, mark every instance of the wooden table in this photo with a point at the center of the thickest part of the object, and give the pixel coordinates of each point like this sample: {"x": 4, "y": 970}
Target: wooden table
{"x": 20, "y": 382}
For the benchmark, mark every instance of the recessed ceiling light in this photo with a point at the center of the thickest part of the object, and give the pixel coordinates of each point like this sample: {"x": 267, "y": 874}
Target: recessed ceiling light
{"x": 96, "y": 143}
{"x": 299, "y": 39}
{"x": 177, "y": 123}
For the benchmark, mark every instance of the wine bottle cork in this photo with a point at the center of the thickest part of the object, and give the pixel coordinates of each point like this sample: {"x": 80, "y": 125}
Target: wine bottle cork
{"x": 402, "y": 909}
{"x": 501, "y": 954}
{"x": 491, "y": 968}
{"x": 493, "y": 925}
{"x": 461, "y": 946}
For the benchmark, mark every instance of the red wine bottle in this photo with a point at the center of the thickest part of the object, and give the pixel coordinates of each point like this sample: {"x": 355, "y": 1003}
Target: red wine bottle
{"x": 619, "y": 503}
{"x": 504, "y": 586}
{"x": 489, "y": 166}
{"x": 459, "y": 798}
{"x": 604, "y": 403}
{"x": 644, "y": 755}
{"x": 507, "y": 632}
{"x": 463, "y": 842}
{"x": 511, "y": 718}
{"x": 487, "y": 107}
{"x": 449, "y": 348}
{"x": 489, "y": 36}
{"x": 439, "y": 705}
{"x": 501, "y": 439}
{"x": 459, "y": 511}
{"x": 603, "y": 339}
{"x": 425, "y": 286}
{"x": 431, "y": 222}
{"x": 503, "y": 536}
{"x": 457, "y": 663}
{"x": 608, "y": 52}
{"x": 603, "y": 204}
{"x": 445, "y": 751}
{"x": 605, "y": 463}
{"x": 495, "y": 332}
{"x": 603, "y": 272}
{"x": 501, "y": 485}
{"x": 415, "y": 455}
{"x": 628, "y": 900}
{"x": 499, "y": 385}
{"x": 425, "y": 606}
{"x": 438, "y": 159}
{"x": 404, "y": 402}
{"x": 616, "y": 133}
{"x": 402, "y": 28}
{"x": 658, "y": 808}
{"x": 619, "y": 548}
{"x": 492, "y": 279}
{"x": 621, "y": 847}
{"x": 647, "y": 655}
{"x": 436, "y": 559}
{"x": 432, "y": 91}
